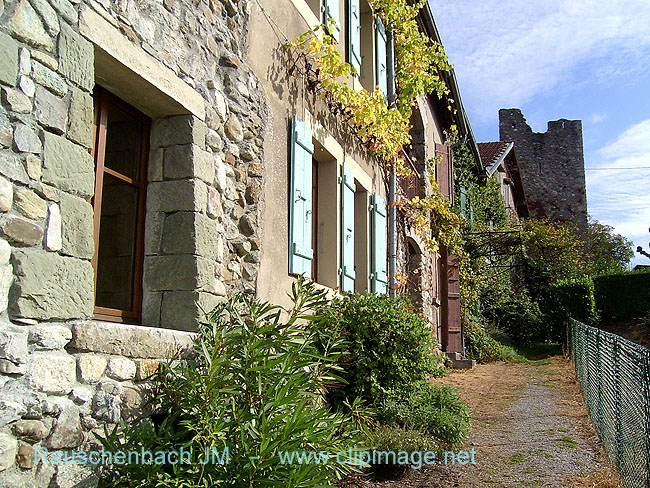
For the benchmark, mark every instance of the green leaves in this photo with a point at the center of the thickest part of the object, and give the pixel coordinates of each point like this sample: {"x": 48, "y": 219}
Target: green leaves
{"x": 427, "y": 418}
{"x": 256, "y": 387}
{"x": 386, "y": 346}
{"x": 419, "y": 64}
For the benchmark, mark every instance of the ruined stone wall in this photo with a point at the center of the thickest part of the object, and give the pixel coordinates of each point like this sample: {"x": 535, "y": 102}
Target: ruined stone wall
{"x": 63, "y": 375}
{"x": 552, "y": 166}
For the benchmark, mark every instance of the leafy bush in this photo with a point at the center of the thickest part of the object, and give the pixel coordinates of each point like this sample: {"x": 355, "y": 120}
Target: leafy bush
{"x": 519, "y": 317}
{"x": 397, "y": 438}
{"x": 572, "y": 298}
{"x": 484, "y": 348}
{"x": 433, "y": 409}
{"x": 254, "y": 388}
{"x": 389, "y": 346}
{"x": 554, "y": 251}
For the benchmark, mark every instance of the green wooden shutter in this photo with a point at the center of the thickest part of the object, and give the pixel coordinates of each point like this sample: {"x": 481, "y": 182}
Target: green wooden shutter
{"x": 463, "y": 201}
{"x": 354, "y": 34}
{"x": 380, "y": 57}
{"x": 379, "y": 277}
{"x": 331, "y": 11}
{"x": 300, "y": 207}
{"x": 348, "y": 188}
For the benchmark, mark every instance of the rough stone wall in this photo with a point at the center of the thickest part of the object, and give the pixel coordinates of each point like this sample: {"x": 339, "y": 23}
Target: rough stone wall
{"x": 552, "y": 166}
{"x": 62, "y": 382}
{"x": 62, "y": 375}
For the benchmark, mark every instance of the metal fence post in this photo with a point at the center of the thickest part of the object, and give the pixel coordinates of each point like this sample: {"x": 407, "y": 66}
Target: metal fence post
{"x": 588, "y": 373}
{"x": 617, "y": 403}
{"x": 646, "y": 388}
{"x": 599, "y": 372}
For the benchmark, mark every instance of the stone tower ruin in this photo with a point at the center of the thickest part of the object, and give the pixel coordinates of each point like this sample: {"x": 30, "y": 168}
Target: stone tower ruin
{"x": 552, "y": 166}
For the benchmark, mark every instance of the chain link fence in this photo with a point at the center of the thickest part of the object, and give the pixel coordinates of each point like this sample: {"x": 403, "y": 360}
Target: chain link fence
{"x": 614, "y": 375}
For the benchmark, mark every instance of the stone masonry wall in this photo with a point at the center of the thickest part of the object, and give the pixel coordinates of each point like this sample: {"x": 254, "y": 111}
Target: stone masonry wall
{"x": 552, "y": 166}
{"x": 64, "y": 376}
{"x": 62, "y": 383}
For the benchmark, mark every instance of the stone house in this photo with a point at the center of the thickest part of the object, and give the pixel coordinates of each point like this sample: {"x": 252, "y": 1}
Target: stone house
{"x": 500, "y": 162}
{"x": 156, "y": 157}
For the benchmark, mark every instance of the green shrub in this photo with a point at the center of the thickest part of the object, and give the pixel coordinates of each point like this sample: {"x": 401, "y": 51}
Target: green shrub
{"x": 484, "y": 348}
{"x": 255, "y": 388}
{"x": 571, "y": 298}
{"x": 397, "y": 438}
{"x": 623, "y": 296}
{"x": 432, "y": 409}
{"x": 519, "y": 317}
{"x": 389, "y": 439}
{"x": 389, "y": 346}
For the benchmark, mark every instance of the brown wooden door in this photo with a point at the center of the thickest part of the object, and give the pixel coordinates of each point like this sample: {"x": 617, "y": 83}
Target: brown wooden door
{"x": 450, "y": 297}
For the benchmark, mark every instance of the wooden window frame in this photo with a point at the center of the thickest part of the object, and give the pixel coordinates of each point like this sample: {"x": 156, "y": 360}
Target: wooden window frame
{"x": 102, "y": 99}
{"x": 315, "y": 241}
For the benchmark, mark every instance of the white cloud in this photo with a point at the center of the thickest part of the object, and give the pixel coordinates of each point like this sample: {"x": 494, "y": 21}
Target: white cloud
{"x": 507, "y": 51}
{"x": 597, "y": 118}
{"x": 621, "y": 197}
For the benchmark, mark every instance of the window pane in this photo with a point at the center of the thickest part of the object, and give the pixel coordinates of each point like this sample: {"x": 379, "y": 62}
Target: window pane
{"x": 116, "y": 253}
{"x": 123, "y": 143}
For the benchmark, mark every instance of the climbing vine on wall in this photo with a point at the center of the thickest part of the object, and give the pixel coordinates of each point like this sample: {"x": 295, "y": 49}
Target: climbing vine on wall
{"x": 386, "y": 129}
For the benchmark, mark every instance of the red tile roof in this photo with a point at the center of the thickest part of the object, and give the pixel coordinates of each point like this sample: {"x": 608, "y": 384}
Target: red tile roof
{"x": 490, "y": 151}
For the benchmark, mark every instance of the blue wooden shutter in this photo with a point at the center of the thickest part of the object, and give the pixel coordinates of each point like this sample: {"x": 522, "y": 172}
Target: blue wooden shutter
{"x": 348, "y": 188}
{"x": 354, "y": 34}
{"x": 331, "y": 11}
{"x": 300, "y": 207}
{"x": 379, "y": 277}
{"x": 380, "y": 57}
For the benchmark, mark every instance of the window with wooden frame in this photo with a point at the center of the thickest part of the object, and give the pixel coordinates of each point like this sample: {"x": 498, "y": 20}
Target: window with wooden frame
{"x": 120, "y": 151}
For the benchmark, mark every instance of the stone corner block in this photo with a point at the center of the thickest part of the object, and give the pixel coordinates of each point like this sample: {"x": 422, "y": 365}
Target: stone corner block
{"x": 68, "y": 167}
{"x": 188, "y": 161}
{"x": 178, "y": 195}
{"x": 76, "y": 58}
{"x": 8, "y": 60}
{"x": 80, "y": 118}
{"x": 49, "y": 286}
{"x": 178, "y": 129}
{"x": 50, "y": 110}
{"x": 190, "y": 233}
{"x": 179, "y": 272}
{"x": 186, "y": 309}
{"x": 77, "y": 219}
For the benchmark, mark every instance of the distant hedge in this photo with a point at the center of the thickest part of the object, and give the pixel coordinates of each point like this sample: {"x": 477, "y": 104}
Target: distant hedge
{"x": 623, "y": 296}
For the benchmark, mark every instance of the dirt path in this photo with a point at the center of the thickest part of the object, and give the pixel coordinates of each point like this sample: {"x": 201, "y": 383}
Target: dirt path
{"x": 530, "y": 429}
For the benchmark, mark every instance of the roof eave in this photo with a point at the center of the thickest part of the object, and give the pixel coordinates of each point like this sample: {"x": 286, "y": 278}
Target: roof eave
{"x": 451, "y": 81}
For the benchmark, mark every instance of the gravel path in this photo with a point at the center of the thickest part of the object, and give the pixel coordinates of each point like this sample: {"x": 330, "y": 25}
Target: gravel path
{"x": 530, "y": 429}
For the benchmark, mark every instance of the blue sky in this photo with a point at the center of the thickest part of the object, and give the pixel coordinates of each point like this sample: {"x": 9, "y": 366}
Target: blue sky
{"x": 575, "y": 59}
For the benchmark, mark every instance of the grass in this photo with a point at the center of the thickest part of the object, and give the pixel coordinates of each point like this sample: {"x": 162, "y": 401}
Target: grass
{"x": 601, "y": 478}
{"x": 517, "y": 458}
{"x": 567, "y": 441}
{"x": 501, "y": 348}
{"x": 535, "y": 352}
